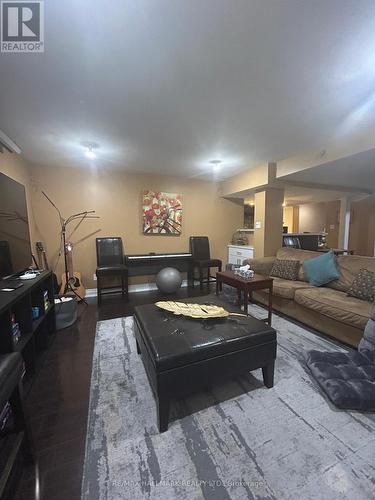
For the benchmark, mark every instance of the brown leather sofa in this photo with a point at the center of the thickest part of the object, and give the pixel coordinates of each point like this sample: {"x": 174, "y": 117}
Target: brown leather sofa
{"x": 327, "y": 309}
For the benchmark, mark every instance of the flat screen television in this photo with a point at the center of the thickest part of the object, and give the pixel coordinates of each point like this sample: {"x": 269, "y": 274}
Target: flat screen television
{"x": 15, "y": 246}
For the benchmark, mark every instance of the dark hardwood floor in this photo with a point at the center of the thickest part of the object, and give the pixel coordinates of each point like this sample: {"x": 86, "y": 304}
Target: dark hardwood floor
{"x": 58, "y": 401}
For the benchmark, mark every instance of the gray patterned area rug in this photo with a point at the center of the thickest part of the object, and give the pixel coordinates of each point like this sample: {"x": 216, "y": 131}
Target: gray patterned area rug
{"x": 239, "y": 440}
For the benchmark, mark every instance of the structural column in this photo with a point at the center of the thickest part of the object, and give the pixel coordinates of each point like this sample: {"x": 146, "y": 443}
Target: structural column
{"x": 268, "y": 224}
{"x": 344, "y": 223}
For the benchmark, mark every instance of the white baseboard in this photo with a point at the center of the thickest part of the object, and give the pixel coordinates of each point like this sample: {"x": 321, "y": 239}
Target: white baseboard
{"x": 141, "y": 287}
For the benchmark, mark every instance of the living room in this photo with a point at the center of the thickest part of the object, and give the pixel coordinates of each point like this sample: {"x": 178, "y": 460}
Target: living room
{"x": 187, "y": 250}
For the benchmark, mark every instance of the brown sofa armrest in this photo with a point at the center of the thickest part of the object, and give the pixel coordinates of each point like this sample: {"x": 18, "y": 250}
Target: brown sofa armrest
{"x": 263, "y": 265}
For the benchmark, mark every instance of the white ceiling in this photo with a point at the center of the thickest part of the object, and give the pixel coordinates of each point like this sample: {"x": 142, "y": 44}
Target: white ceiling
{"x": 356, "y": 172}
{"x": 299, "y": 195}
{"x": 165, "y": 86}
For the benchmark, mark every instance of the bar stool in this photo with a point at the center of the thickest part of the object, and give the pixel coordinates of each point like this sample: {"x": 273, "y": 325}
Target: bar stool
{"x": 200, "y": 250}
{"x": 110, "y": 262}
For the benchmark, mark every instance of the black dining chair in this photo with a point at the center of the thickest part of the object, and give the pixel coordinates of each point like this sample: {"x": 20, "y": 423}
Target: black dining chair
{"x": 110, "y": 263}
{"x": 200, "y": 250}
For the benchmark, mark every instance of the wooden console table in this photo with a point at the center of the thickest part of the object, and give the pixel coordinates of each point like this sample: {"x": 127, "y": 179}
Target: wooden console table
{"x": 247, "y": 286}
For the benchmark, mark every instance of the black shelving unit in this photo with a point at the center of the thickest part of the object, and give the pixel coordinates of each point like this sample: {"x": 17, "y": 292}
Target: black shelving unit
{"x": 35, "y": 334}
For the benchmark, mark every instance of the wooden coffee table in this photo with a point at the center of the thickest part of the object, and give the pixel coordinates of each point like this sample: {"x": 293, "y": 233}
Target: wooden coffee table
{"x": 247, "y": 286}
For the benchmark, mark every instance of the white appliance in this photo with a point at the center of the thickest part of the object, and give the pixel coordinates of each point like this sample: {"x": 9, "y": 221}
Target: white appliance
{"x": 238, "y": 253}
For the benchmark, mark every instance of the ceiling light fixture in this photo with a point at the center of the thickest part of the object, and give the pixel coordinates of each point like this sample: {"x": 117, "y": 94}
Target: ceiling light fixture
{"x": 90, "y": 148}
{"x": 215, "y": 165}
{"x": 90, "y": 154}
{"x": 284, "y": 204}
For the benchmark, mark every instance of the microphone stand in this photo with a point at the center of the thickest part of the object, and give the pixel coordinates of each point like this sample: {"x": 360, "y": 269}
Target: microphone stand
{"x": 64, "y": 223}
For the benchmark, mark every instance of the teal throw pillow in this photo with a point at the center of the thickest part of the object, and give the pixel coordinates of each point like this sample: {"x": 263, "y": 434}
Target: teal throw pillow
{"x": 321, "y": 270}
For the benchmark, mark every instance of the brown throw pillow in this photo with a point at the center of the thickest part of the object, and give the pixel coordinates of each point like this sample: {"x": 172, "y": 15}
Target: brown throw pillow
{"x": 287, "y": 269}
{"x": 363, "y": 286}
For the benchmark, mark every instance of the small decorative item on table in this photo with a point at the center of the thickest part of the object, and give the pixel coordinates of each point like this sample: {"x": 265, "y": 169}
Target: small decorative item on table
{"x": 244, "y": 272}
{"x": 195, "y": 310}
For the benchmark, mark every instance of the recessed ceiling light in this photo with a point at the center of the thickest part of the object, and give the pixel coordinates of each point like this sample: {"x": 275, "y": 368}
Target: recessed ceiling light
{"x": 90, "y": 154}
{"x": 90, "y": 148}
{"x": 216, "y": 164}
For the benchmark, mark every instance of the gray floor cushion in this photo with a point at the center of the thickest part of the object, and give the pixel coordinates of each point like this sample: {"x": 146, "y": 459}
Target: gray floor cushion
{"x": 348, "y": 379}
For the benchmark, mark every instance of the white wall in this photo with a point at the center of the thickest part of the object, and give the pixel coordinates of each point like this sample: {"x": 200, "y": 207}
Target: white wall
{"x": 312, "y": 217}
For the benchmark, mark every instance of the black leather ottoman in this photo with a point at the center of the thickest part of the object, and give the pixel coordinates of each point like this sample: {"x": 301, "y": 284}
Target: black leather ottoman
{"x": 181, "y": 355}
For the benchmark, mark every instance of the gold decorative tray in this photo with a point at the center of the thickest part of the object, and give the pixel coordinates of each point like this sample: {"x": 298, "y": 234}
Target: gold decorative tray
{"x": 197, "y": 311}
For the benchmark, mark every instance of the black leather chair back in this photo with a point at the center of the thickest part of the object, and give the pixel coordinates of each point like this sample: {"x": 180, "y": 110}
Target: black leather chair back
{"x": 109, "y": 251}
{"x": 200, "y": 247}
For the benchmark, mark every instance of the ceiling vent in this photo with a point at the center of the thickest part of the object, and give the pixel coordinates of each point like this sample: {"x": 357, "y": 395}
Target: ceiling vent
{"x": 8, "y": 144}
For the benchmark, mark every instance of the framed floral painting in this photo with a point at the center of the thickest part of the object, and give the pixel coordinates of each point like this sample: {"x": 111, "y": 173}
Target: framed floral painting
{"x": 162, "y": 213}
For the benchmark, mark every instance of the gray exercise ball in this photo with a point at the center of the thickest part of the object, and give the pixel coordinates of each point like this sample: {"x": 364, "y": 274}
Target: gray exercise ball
{"x": 168, "y": 280}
